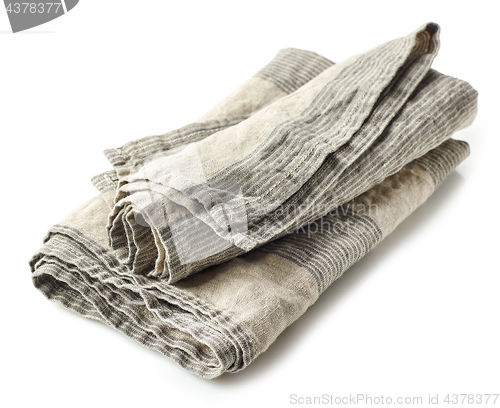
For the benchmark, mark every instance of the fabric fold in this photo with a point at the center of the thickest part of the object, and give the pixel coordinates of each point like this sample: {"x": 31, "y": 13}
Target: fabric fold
{"x": 222, "y": 319}
{"x": 241, "y": 187}
{"x": 285, "y": 73}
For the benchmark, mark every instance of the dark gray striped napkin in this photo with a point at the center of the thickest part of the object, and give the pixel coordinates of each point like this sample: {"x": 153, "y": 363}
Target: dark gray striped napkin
{"x": 274, "y": 193}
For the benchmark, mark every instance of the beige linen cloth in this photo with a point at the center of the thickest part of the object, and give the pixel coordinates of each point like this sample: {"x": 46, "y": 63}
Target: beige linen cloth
{"x": 206, "y": 242}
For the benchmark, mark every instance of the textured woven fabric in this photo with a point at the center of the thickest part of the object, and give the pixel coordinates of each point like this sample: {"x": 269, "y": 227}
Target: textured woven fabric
{"x": 305, "y": 154}
{"x": 303, "y": 231}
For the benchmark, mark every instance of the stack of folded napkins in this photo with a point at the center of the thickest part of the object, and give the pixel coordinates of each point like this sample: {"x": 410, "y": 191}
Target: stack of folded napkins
{"x": 206, "y": 242}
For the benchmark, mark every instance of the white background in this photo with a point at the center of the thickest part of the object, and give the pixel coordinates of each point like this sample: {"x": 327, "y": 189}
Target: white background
{"x": 417, "y": 316}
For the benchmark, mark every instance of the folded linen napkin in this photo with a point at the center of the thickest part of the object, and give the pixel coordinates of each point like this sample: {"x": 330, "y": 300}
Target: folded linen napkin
{"x": 299, "y": 158}
{"x": 223, "y": 318}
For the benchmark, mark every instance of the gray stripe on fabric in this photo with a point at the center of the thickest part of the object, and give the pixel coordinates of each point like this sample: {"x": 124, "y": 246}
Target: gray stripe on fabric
{"x": 133, "y": 153}
{"x": 292, "y": 68}
{"x": 440, "y": 106}
{"x": 329, "y": 246}
{"x": 106, "y": 181}
{"x": 84, "y": 277}
{"x": 442, "y": 160}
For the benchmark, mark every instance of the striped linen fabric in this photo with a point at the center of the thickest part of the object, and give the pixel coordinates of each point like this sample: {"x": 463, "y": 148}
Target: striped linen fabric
{"x": 240, "y": 187}
{"x": 354, "y": 191}
{"x": 290, "y": 69}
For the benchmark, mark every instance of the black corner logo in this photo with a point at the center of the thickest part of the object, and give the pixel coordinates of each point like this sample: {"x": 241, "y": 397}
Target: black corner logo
{"x": 25, "y": 15}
